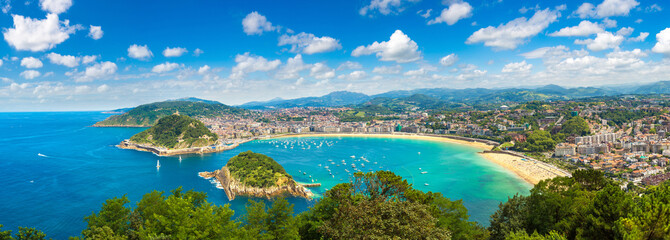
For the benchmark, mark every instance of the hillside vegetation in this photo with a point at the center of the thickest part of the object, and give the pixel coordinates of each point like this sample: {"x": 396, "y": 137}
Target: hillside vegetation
{"x": 148, "y": 114}
{"x": 175, "y": 132}
{"x": 257, "y": 170}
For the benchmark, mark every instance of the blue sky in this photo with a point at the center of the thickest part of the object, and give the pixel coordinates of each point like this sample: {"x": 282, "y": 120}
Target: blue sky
{"x": 61, "y": 55}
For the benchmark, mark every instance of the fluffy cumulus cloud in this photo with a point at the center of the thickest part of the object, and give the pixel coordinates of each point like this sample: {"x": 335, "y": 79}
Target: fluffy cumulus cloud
{"x": 30, "y": 74}
{"x": 103, "y": 88}
{"x": 174, "y": 52}
{"x": 456, "y": 11}
{"x": 65, "y": 60}
{"x": 602, "y": 41}
{"x": 607, "y": 8}
{"x": 88, "y": 59}
{"x": 248, "y": 64}
{"x": 355, "y": 75}
{"x": 255, "y": 24}
{"x": 292, "y": 68}
{"x": 515, "y": 32}
{"x": 165, "y": 67}
{"x": 55, "y": 6}
{"x": 307, "y": 43}
{"x": 97, "y": 71}
{"x": 38, "y": 34}
{"x": 385, "y": 7}
{"x": 31, "y": 62}
{"x": 204, "y": 70}
{"x": 640, "y": 38}
{"x": 321, "y": 71}
{"x": 399, "y": 48}
{"x": 663, "y": 42}
{"x": 517, "y": 67}
{"x": 197, "y": 52}
{"x": 449, "y": 60}
{"x": 585, "y": 28}
{"x": 139, "y": 52}
{"x": 95, "y": 32}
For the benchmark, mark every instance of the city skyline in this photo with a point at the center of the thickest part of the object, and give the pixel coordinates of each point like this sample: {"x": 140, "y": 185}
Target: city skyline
{"x": 74, "y": 55}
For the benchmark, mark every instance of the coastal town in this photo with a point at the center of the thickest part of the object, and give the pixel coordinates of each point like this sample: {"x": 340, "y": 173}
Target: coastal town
{"x": 625, "y": 137}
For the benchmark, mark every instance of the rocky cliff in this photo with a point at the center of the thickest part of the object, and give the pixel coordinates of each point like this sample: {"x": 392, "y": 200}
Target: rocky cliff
{"x": 234, "y": 187}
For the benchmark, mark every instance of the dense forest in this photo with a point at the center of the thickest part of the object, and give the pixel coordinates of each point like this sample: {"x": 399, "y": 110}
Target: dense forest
{"x": 149, "y": 114}
{"x": 382, "y": 205}
{"x": 256, "y": 170}
{"x": 176, "y": 131}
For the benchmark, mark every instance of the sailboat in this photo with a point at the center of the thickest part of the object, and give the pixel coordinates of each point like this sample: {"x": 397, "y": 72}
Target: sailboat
{"x": 158, "y": 164}
{"x": 179, "y": 158}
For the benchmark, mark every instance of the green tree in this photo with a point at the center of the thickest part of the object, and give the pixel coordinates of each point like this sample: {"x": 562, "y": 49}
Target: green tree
{"x": 576, "y": 126}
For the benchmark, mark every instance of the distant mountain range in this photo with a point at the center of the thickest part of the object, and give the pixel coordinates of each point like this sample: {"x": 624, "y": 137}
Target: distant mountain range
{"x": 447, "y": 96}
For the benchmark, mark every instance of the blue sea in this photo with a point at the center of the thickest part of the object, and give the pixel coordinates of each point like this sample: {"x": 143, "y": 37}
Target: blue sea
{"x": 55, "y": 169}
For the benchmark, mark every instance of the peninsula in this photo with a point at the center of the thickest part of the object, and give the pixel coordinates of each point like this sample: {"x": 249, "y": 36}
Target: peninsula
{"x": 175, "y": 134}
{"x": 256, "y": 175}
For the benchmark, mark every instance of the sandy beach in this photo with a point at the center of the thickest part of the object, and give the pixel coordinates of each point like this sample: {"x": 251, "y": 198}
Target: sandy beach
{"x": 531, "y": 171}
{"x": 478, "y": 145}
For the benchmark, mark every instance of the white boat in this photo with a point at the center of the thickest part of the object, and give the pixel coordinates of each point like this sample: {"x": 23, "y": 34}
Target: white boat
{"x": 425, "y": 184}
{"x": 424, "y": 172}
{"x": 158, "y": 164}
{"x": 419, "y": 153}
{"x": 352, "y": 156}
{"x": 41, "y": 155}
{"x": 180, "y": 158}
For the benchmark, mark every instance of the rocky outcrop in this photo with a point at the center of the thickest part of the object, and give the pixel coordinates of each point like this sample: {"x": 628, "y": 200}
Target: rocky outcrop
{"x": 233, "y": 187}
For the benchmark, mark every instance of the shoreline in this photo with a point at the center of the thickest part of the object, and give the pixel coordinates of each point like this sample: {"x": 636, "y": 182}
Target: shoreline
{"x": 530, "y": 170}
{"x": 471, "y": 142}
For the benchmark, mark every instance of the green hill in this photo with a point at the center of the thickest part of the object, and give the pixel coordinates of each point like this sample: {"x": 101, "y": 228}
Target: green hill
{"x": 176, "y": 132}
{"x": 257, "y": 170}
{"x": 148, "y": 114}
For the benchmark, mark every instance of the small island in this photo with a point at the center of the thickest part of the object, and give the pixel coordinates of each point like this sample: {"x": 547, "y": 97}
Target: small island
{"x": 256, "y": 175}
{"x": 175, "y": 134}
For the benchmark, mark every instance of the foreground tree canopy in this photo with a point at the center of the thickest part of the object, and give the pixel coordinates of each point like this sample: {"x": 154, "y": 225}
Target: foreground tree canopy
{"x": 382, "y": 205}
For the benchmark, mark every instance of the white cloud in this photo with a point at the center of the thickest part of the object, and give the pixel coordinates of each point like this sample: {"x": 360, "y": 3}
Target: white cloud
{"x": 38, "y": 35}
{"x": 248, "y": 64}
{"x": 609, "y": 23}
{"x": 585, "y": 28}
{"x": 30, "y": 74}
{"x": 1, "y": 62}
{"x": 418, "y": 72}
{"x": 425, "y": 14}
{"x": 355, "y": 75}
{"x": 387, "y": 69}
{"x": 602, "y": 41}
{"x": 292, "y": 68}
{"x": 400, "y": 48}
{"x": 653, "y": 8}
{"x": 97, "y": 71}
{"x": 309, "y": 44}
{"x": 88, "y": 59}
{"x": 321, "y": 71}
{"x": 65, "y": 60}
{"x": 456, "y": 11}
{"x": 449, "y": 60}
{"x": 552, "y": 55}
{"x": 55, "y": 6}
{"x": 103, "y": 88}
{"x": 165, "y": 67}
{"x": 663, "y": 42}
{"x": 255, "y": 24}
{"x": 625, "y": 31}
{"x": 607, "y": 8}
{"x": 31, "y": 62}
{"x": 640, "y": 38}
{"x": 349, "y": 65}
{"x": 385, "y": 7}
{"x": 517, "y": 67}
{"x": 197, "y": 52}
{"x": 95, "y": 32}
{"x": 515, "y": 32}
{"x": 204, "y": 70}
{"x": 174, "y": 52}
{"x": 81, "y": 89}
{"x": 139, "y": 52}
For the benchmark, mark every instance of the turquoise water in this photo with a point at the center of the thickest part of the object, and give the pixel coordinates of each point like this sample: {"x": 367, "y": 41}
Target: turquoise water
{"x": 55, "y": 169}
